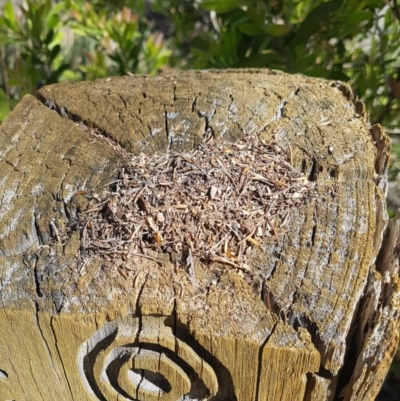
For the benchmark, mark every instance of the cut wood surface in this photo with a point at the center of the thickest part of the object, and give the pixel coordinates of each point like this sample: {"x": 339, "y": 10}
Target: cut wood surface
{"x": 313, "y": 314}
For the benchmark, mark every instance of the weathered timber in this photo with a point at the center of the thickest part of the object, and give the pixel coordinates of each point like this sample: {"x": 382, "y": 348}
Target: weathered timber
{"x": 313, "y": 316}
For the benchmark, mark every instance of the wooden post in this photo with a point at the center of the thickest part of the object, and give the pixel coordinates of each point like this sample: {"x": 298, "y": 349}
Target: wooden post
{"x": 313, "y": 316}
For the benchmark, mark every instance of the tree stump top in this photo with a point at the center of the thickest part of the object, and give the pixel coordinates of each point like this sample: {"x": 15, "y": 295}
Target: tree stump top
{"x": 308, "y": 312}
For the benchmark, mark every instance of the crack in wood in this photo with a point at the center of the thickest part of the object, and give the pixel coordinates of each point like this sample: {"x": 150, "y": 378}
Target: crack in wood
{"x": 66, "y": 377}
{"x": 91, "y": 128}
{"x": 259, "y": 397}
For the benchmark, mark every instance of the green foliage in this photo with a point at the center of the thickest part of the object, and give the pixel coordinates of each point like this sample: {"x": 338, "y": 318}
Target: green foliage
{"x": 354, "y": 41}
{"x": 123, "y": 36}
{"x": 43, "y": 43}
{"x": 30, "y": 47}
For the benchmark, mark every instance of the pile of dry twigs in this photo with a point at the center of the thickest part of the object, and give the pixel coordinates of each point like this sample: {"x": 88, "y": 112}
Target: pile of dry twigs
{"x": 215, "y": 203}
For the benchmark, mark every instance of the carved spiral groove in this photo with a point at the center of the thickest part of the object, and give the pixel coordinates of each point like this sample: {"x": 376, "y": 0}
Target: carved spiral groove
{"x": 143, "y": 359}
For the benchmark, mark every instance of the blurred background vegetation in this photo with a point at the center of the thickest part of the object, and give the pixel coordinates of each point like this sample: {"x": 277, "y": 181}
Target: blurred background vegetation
{"x": 357, "y": 41}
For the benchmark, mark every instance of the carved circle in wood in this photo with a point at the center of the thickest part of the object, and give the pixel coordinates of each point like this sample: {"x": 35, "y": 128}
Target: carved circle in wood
{"x": 145, "y": 359}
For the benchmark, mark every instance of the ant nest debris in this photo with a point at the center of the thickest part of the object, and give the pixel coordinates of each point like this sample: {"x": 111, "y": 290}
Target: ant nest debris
{"x": 216, "y": 204}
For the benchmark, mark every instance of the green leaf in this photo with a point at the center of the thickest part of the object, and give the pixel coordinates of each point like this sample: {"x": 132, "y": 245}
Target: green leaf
{"x": 55, "y": 52}
{"x": 236, "y": 18}
{"x": 7, "y": 39}
{"x": 229, "y": 40}
{"x": 200, "y": 43}
{"x": 57, "y": 39}
{"x": 53, "y": 17}
{"x": 49, "y": 37}
{"x": 220, "y": 6}
{"x": 36, "y": 21}
{"x": 373, "y": 4}
{"x": 8, "y": 12}
{"x": 317, "y": 72}
{"x": 300, "y": 11}
{"x": 70, "y": 75}
{"x": 52, "y": 21}
{"x": 60, "y": 70}
{"x": 315, "y": 20}
{"x": 117, "y": 58}
{"x": 278, "y": 30}
{"x": 255, "y": 16}
{"x": 357, "y": 17}
{"x": 338, "y": 75}
{"x": 251, "y": 29}
{"x": 130, "y": 33}
{"x": 80, "y": 29}
{"x": 9, "y": 16}
{"x": 388, "y": 17}
{"x": 4, "y": 105}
